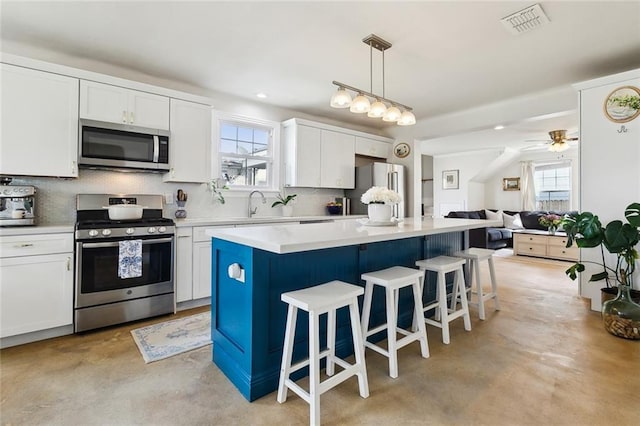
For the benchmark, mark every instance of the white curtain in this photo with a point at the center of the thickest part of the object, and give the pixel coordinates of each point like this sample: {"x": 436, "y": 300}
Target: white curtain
{"x": 527, "y": 189}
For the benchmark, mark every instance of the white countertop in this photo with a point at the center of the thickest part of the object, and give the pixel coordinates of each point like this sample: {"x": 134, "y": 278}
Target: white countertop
{"x": 35, "y": 229}
{"x": 290, "y": 238}
{"x": 256, "y": 220}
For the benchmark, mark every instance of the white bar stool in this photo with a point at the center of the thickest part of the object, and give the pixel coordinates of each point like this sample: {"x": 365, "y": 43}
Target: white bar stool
{"x": 325, "y": 298}
{"x": 474, "y": 256}
{"x": 393, "y": 279}
{"x": 443, "y": 265}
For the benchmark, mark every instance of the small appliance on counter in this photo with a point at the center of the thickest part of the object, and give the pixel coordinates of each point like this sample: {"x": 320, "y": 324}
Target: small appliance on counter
{"x": 17, "y": 204}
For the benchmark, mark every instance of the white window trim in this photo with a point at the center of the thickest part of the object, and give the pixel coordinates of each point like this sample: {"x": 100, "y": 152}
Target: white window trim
{"x": 216, "y": 167}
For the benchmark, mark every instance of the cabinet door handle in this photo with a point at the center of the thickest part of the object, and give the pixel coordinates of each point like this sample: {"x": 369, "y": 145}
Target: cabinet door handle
{"x": 73, "y": 167}
{"x": 124, "y": 116}
{"x": 68, "y": 263}
{"x": 131, "y": 117}
{"x": 24, "y": 245}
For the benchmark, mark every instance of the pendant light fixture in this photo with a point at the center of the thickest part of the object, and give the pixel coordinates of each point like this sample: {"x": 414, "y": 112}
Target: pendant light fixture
{"x": 381, "y": 107}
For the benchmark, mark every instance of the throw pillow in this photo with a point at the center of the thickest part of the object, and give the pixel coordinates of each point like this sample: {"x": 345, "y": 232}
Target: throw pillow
{"x": 512, "y": 222}
{"x": 495, "y": 216}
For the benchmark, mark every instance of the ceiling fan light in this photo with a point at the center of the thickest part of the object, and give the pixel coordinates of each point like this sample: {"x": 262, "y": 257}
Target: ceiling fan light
{"x": 558, "y": 147}
{"x": 360, "y": 104}
{"x": 378, "y": 108}
{"x": 392, "y": 114}
{"x": 341, "y": 99}
{"x": 407, "y": 119}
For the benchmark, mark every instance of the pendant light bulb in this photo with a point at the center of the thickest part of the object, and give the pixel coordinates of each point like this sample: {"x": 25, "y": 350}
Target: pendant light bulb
{"x": 341, "y": 99}
{"x": 407, "y": 119}
{"x": 378, "y": 108}
{"x": 392, "y": 114}
{"x": 360, "y": 104}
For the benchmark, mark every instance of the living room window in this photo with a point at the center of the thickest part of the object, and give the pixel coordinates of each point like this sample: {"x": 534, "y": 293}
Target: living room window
{"x": 247, "y": 152}
{"x": 552, "y": 183}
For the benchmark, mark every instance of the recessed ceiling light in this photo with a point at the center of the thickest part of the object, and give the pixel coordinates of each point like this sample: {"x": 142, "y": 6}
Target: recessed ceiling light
{"x": 261, "y": 95}
{"x": 498, "y": 127}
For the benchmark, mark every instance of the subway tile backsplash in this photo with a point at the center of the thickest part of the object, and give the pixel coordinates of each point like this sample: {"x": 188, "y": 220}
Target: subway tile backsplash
{"x": 56, "y": 197}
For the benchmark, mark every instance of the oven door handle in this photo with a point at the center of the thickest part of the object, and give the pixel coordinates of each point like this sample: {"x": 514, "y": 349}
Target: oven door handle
{"x": 116, "y": 243}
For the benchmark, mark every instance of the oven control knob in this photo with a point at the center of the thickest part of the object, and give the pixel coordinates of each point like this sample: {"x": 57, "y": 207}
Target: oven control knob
{"x": 106, "y": 232}
{"x": 130, "y": 231}
{"x": 93, "y": 233}
{"x": 151, "y": 230}
{"x": 162, "y": 229}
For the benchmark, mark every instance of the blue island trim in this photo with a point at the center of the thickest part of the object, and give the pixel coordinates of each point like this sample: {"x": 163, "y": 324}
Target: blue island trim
{"x": 248, "y": 319}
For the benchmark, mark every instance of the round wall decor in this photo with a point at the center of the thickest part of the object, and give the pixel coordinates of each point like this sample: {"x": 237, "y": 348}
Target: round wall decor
{"x": 402, "y": 150}
{"x": 623, "y": 104}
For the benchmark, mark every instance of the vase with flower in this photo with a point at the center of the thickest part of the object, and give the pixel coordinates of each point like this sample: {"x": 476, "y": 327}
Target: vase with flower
{"x": 551, "y": 221}
{"x": 380, "y": 202}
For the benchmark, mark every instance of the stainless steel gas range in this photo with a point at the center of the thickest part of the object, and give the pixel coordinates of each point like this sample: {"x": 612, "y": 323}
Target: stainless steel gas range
{"x": 104, "y": 295}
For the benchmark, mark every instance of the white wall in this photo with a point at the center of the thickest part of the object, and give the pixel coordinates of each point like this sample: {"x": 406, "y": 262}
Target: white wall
{"x": 470, "y": 195}
{"x": 497, "y": 198}
{"x": 609, "y": 160}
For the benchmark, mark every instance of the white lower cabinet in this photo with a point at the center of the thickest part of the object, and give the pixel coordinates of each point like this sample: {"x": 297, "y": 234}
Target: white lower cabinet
{"x": 183, "y": 270}
{"x": 202, "y": 269}
{"x": 36, "y": 290}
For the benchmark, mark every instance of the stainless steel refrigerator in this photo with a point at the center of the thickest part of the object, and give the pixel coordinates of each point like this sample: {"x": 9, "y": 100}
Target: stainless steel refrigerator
{"x": 378, "y": 174}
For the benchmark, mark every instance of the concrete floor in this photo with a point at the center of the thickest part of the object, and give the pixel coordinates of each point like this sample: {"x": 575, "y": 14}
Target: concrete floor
{"x": 543, "y": 359}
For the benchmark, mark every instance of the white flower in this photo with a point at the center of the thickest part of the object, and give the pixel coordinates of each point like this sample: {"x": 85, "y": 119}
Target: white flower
{"x": 380, "y": 195}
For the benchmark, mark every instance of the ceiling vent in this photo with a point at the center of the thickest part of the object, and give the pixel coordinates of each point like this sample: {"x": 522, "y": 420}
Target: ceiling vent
{"x": 525, "y": 20}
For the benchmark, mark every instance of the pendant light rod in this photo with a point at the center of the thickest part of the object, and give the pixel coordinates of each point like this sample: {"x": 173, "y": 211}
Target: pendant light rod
{"x": 371, "y": 95}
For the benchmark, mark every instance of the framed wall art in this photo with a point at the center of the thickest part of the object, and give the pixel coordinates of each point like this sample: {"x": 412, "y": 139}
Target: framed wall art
{"x": 511, "y": 184}
{"x": 623, "y": 104}
{"x": 450, "y": 179}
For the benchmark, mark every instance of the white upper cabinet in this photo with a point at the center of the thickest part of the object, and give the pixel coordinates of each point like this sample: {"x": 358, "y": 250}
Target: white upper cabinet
{"x": 372, "y": 147}
{"x": 302, "y": 152}
{"x": 113, "y": 104}
{"x": 318, "y": 157}
{"x": 39, "y": 123}
{"x": 337, "y": 160}
{"x": 190, "y": 142}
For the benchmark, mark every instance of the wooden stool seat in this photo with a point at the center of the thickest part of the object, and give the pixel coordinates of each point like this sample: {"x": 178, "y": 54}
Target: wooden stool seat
{"x": 393, "y": 279}
{"x": 324, "y": 298}
{"x": 443, "y": 265}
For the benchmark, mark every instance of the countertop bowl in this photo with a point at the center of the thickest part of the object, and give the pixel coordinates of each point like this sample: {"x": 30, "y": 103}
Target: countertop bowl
{"x": 334, "y": 210}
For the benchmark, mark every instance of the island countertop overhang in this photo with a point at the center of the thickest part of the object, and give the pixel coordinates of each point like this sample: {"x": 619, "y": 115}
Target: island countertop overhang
{"x": 281, "y": 239}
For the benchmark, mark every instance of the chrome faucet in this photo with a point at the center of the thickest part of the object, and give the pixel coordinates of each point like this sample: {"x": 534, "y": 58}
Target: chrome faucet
{"x": 253, "y": 211}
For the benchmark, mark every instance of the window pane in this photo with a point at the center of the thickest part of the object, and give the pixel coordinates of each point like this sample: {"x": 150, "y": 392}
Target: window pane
{"x": 227, "y": 131}
{"x": 245, "y": 172}
{"x": 227, "y": 145}
{"x": 261, "y": 136}
{"x": 245, "y": 134}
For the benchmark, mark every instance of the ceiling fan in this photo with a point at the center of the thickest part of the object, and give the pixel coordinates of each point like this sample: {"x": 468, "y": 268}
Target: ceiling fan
{"x": 558, "y": 142}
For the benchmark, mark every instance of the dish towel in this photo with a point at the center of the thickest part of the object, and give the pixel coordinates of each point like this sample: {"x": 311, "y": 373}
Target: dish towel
{"x": 130, "y": 259}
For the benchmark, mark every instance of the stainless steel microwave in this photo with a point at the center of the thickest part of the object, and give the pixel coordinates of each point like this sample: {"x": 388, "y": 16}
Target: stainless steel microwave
{"x": 121, "y": 146}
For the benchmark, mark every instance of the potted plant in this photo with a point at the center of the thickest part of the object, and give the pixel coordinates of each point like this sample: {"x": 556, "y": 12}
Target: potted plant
{"x": 380, "y": 201}
{"x": 287, "y": 210}
{"x": 551, "y": 221}
{"x": 621, "y": 314}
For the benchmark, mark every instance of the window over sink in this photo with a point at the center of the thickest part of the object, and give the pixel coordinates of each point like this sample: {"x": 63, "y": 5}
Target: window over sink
{"x": 247, "y": 152}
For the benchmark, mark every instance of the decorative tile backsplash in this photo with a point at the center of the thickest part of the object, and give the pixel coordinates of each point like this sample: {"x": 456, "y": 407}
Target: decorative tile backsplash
{"x": 56, "y": 197}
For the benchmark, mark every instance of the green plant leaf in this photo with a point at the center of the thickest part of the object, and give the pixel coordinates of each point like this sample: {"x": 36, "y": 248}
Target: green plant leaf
{"x": 599, "y": 276}
{"x": 572, "y": 272}
{"x": 619, "y": 237}
{"x": 632, "y": 213}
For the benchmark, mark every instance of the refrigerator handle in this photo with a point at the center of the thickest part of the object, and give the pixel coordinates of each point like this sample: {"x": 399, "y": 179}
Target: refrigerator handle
{"x": 392, "y": 183}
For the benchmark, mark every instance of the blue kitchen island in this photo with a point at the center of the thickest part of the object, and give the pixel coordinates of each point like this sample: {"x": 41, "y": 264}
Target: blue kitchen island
{"x": 252, "y": 267}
